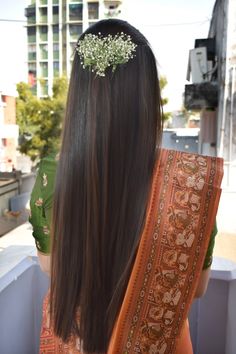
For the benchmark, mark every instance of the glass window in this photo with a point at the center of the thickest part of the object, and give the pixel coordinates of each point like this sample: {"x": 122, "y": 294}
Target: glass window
{"x": 30, "y": 14}
{"x": 75, "y": 31}
{"x": 56, "y": 67}
{"x": 43, "y": 15}
{"x": 43, "y": 33}
{"x": 55, "y": 14}
{"x": 76, "y": 12}
{"x": 32, "y": 67}
{"x": 55, "y": 30}
{"x": 93, "y": 11}
{"x": 43, "y": 51}
{"x": 43, "y": 2}
{"x": 44, "y": 69}
{"x": 55, "y": 50}
{"x": 55, "y": 2}
{"x": 32, "y": 52}
{"x": 31, "y": 32}
{"x": 44, "y": 88}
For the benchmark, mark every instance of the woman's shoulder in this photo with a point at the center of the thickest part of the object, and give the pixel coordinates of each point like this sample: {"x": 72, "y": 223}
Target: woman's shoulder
{"x": 49, "y": 163}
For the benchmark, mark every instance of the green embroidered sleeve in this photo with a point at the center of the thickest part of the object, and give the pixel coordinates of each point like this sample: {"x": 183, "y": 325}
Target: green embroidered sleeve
{"x": 41, "y": 203}
{"x": 209, "y": 257}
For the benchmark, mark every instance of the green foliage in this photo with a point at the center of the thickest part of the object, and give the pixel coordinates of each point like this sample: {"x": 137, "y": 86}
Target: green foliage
{"x": 164, "y": 101}
{"x": 40, "y": 120}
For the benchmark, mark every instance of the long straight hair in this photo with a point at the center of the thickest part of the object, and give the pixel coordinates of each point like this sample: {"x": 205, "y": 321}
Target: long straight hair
{"x": 111, "y": 134}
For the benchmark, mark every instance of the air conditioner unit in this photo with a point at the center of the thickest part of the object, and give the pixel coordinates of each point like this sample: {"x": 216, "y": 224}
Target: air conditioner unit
{"x": 198, "y": 65}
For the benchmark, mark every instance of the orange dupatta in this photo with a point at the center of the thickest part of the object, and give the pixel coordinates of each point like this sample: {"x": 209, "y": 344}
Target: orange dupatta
{"x": 180, "y": 217}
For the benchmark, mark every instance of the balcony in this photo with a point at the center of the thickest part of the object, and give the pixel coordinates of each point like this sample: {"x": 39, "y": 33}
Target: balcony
{"x": 75, "y": 32}
{"x": 75, "y": 12}
{"x": 43, "y": 33}
{"x": 55, "y": 51}
{"x": 32, "y": 56}
{"x": 55, "y": 30}
{"x": 56, "y": 67}
{"x": 201, "y": 95}
{"x": 43, "y": 19}
{"x": 31, "y": 20}
{"x": 43, "y": 15}
{"x": 93, "y": 11}
{"x": 23, "y": 286}
{"x": 55, "y": 14}
{"x": 202, "y": 69}
{"x": 43, "y": 51}
{"x": 44, "y": 69}
{"x": 44, "y": 86}
{"x": 31, "y": 34}
{"x": 30, "y": 13}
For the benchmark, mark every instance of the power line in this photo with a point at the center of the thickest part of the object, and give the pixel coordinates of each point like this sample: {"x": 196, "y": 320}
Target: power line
{"x": 10, "y": 20}
{"x": 149, "y": 24}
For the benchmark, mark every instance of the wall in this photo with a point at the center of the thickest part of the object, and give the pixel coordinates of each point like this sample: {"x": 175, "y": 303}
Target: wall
{"x": 224, "y": 30}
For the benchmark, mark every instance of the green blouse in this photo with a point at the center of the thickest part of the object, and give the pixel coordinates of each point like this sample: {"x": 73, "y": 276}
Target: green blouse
{"x": 41, "y": 208}
{"x": 41, "y": 203}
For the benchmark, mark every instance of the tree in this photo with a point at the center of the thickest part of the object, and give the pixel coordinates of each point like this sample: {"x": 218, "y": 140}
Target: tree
{"x": 40, "y": 120}
{"x": 164, "y": 101}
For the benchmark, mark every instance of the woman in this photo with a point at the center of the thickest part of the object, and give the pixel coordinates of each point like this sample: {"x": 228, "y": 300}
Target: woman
{"x": 131, "y": 223}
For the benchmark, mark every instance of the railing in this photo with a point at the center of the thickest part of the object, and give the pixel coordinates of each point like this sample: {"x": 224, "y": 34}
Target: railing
{"x": 23, "y": 286}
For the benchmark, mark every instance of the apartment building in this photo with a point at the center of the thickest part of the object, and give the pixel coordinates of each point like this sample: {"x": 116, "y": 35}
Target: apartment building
{"x": 53, "y": 27}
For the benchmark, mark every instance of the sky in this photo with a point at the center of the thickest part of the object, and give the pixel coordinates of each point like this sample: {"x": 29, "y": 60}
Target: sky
{"x": 171, "y": 27}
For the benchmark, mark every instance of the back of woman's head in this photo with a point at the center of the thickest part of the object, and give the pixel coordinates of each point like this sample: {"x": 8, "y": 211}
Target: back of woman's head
{"x": 111, "y": 133}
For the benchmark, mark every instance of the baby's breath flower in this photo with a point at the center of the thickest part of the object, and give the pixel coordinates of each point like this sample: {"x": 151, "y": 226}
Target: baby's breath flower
{"x": 99, "y": 53}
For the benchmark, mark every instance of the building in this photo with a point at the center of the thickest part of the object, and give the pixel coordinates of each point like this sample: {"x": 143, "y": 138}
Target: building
{"x": 212, "y": 65}
{"x": 53, "y": 27}
{"x": 9, "y": 131}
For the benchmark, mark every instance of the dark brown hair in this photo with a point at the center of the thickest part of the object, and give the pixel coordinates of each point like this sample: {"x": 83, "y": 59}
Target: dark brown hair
{"x": 111, "y": 133}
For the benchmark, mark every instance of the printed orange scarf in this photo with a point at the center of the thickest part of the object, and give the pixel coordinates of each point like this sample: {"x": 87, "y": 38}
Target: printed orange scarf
{"x": 180, "y": 217}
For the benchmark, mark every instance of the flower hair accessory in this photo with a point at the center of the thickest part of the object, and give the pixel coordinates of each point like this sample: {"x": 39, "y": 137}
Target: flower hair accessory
{"x": 99, "y": 53}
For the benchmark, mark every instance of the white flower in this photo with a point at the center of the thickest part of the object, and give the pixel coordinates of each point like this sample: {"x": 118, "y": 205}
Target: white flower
{"x": 99, "y": 53}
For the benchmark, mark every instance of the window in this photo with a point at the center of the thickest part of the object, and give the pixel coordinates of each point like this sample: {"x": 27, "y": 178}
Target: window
{"x": 93, "y": 11}
{"x": 43, "y": 51}
{"x": 43, "y": 33}
{"x": 32, "y": 52}
{"x": 55, "y": 50}
{"x": 32, "y": 68}
{"x": 30, "y": 14}
{"x": 55, "y": 14}
{"x": 44, "y": 88}
{"x": 44, "y": 69}
{"x": 76, "y": 12}
{"x": 31, "y": 32}
{"x": 75, "y": 31}
{"x": 56, "y": 68}
{"x": 55, "y": 30}
{"x": 43, "y": 15}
